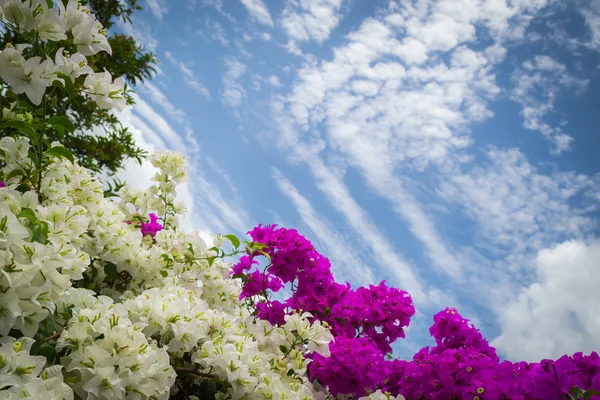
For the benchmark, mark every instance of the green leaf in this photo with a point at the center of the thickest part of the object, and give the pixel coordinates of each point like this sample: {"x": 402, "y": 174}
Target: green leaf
{"x": 40, "y": 232}
{"x": 290, "y": 372}
{"x": 588, "y": 394}
{"x": 283, "y": 349}
{"x": 233, "y": 239}
{"x": 164, "y": 273}
{"x": 59, "y": 151}
{"x": 27, "y": 213}
{"x": 110, "y": 270}
{"x": 49, "y": 352}
{"x": 16, "y": 172}
{"x": 50, "y": 3}
{"x": 68, "y": 84}
{"x": 63, "y": 122}
{"x": 11, "y": 96}
{"x": 21, "y": 127}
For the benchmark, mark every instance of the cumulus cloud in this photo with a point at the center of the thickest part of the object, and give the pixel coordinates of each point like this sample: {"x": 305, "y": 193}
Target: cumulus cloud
{"x": 558, "y": 314}
{"x": 306, "y": 20}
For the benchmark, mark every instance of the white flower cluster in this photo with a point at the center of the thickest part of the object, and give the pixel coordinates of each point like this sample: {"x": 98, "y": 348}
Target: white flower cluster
{"x": 378, "y": 395}
{"x": 23, "y": 376}
{"x": 128, "y": 314}
{"x": 46, "y": 21}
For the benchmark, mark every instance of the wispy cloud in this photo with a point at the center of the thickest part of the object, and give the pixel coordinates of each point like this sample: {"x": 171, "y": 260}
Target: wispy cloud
{"x": 538, "y": 84}
{"x": 344, "y": 257}
{"x": 258, "y": 10}
{"x": 211, "y": 210}
{"x": 188, "y": 75}
{"x": 398, "y": 101}
{"x": 141, "y": 33}
{"x": 518, "y": 209}
{"x": 591, "y": 13}
{"x": 233, "y": 91}
{"x": 311, "y": 19}
{"x": 161, "y": 100}
{"x": 158, "y": 8}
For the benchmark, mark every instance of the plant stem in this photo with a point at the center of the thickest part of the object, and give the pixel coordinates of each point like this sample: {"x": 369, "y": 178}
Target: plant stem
{"x": 194, "y": 371}
{"x": 41, "y": 146}
{"x": 50, "y": 338}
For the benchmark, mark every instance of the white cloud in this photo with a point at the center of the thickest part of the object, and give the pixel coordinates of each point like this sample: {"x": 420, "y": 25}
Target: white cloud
{"x": 397, "y": 100}
{"x": 339, "y": 196}
{"x": 558, "y": 314}
{"x": 217, "y": 32}
{"x": 305, "y": 20}
{"x": 344, "y": 257}
{"x": 591, "y": 13}
{"x": 538, "y": 84}
{"x": 188, "y": 75}
{"x": 158, "y": 8}
{"x": 161, "y": 100}
{"x": 233, "y": 92}
{"x": 166, "y": 132}
{"x": 519, "y": 209}
{"x": 209, "y": 209}
{"x": 140, "y": 176}
{"x": 258, "y": 10}
{"x": 140, "y": 32}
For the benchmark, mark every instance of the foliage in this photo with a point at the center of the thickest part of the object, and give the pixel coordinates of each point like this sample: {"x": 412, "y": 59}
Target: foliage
{"x": 100, "y": 141}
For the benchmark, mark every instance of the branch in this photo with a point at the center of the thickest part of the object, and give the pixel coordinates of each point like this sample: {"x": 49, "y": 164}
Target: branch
{"x": 194, "y": 371}
{"x": 50, "y": 338}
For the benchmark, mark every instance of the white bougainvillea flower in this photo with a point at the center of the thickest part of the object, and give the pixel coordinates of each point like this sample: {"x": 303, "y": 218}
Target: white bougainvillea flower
{"x": 106, "y": 93}
{"x": 49, "y": 24}
{"x": 74, "y": 66}
{"x": 17, "y": 13}
{"x": 90, "y": 37}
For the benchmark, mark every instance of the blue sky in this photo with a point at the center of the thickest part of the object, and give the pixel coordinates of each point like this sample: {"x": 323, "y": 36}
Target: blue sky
{"x": 449, "y": 147}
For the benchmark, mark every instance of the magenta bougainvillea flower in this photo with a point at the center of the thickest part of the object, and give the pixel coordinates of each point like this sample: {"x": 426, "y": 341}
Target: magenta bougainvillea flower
{"x": 366, "y": 321}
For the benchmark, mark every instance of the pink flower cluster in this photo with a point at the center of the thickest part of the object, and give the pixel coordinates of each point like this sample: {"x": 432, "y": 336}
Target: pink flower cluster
{"x": 366, "y": 321}
{"x": 149, "y": 228}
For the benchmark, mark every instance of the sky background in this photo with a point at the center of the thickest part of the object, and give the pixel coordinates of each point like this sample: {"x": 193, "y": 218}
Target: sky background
{"x": 448, "y": 147}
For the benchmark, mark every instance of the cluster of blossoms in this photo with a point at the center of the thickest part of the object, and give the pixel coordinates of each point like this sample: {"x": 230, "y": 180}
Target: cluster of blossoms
{"x": 113, "y": 312}
{"x": 364, "y": 321}
{"x": 462, "y": 365}
{"x": 28, "y": 69}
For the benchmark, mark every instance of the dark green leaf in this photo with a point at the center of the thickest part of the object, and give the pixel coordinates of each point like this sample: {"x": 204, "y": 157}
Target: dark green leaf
{"x": 16, "y": 172}
{"x": 27, "y": 213}
{"x": 588, "y": 394}
{"x": 59, "y": 151}
{"x": 234, "y": 240}
{"x": 49, "y": 352}
{"x": 164, "y": 273}
{"x": 11, "y": 96}
{"x": 283, "y": 349}
{"x": 68, "y": 85}
{"x": 21, "y": 127}
{"x": 110, "y": 270}
{"x": 290, "y": 372}
{"x": 63, "y": 122}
